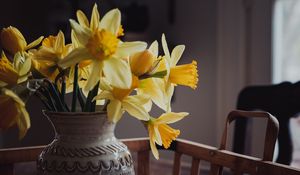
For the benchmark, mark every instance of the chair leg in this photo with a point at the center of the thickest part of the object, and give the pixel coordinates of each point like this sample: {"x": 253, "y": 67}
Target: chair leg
{"x": 285, "y": 144}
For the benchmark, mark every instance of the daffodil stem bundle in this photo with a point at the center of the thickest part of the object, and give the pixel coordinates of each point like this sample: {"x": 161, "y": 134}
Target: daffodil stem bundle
{"x": 94, "y": 93}
{"x": 90, "y": 105}
{"x": 75, "y": 88}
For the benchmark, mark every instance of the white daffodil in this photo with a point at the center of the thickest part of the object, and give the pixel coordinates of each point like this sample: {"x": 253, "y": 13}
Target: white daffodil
{"x": 99, "y": 42}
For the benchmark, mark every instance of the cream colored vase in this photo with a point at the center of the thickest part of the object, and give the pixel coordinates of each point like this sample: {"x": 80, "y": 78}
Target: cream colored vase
{"x": 84, "y": 144}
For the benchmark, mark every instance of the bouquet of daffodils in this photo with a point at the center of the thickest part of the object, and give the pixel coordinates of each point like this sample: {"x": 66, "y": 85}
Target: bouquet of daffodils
{"x": 98, "y": 69}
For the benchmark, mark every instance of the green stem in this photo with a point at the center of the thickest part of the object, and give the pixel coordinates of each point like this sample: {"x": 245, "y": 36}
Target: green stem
{"x": 44, "y": 100}
{"x": 90, "y": 105}
{"x": 63, "y": 89}
{"x": 47, "y": 94}
{"x": 75, "y": 88}
{"x": 53, "y": 93}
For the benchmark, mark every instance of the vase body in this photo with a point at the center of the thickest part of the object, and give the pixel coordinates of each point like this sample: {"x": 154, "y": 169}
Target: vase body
{"x": 84, "y": 144}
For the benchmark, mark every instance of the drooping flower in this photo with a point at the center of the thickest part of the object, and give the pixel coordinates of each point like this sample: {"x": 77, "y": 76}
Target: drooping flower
{"x": 186, "y": 74}
{"x": 161, "y": 133}
{"x": 13, "y": 112}
{"x": 99, "y": 42}
{"x": 13, "y": 41}
{"x": 121, "y": 101}
{"x": 14, "y": 73}
{"x": 46, "y": 58}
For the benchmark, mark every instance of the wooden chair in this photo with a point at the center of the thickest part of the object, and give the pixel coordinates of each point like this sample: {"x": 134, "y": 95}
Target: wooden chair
{"x": 217, "y": 157}
{"x": 282, "y": 101}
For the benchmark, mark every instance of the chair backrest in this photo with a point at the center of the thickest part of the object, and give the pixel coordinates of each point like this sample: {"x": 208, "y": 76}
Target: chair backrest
{"x": 282, "y": 101}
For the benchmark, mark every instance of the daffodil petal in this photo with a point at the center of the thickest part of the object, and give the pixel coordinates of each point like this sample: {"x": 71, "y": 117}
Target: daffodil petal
{"x": 75, "y": 41}
{"x": 14, "y": 96}
{"x": 126, "y": 49}
{"x": 104, "y": 84}
{"x": 104, "y": 95}
{"x": 59, "y": 42}
{"x": 114, "y": 111}
{"x": 34, "y": 43}
{"x": 23, "y": 122}
{"x": 165, "y": 47}
{"x": 154, "y": 49}
{"x": 154, "y": 87}
{"x": 77, "y": 55}
{"x": 96, "y": 69}
{"x": 111, "y": 21}
{"x": 44, "y": 54}
{"x": 25, "y": 68}
{"x": 170, "y": 92}
{"x": 3, "y": 84}
{"x": 82, "y": 19}
{"x": 18, "y": 59}
{"x": 118, "y": 73}
{"x": 148, "y": 106}
{"x": 176, "y": 54}
{"x": 152, "y": 143}
{"x": 83, "y": 34}
{"x": 157, "y": 136}
{"x": 135, "y": 109}
{"x": 171, "y": 117}
{"x": 95, "y": 18}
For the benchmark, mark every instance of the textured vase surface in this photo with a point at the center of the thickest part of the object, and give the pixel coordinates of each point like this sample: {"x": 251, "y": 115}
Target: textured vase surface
{"x": 84, "y": 144}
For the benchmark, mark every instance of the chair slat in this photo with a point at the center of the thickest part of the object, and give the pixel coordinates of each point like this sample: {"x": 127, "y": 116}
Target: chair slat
{"x": 195, "y": 166}
{"x": 143, "y": 163}
{"x": 177, "y": 163}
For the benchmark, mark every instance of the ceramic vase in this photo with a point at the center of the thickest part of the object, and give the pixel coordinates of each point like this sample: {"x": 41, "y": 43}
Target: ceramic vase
{"x": 84, "y": 144}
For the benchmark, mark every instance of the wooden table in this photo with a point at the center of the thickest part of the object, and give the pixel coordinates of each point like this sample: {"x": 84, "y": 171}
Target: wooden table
{"x": 218, "y": 158}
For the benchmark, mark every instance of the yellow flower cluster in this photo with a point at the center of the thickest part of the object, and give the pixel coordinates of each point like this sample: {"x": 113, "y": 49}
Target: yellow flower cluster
{"x": 124, "y": 76}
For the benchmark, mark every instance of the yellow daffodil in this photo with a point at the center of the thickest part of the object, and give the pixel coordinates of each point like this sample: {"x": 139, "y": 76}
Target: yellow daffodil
{"x": 14, "y": 73}
{"x": 120, "y": 101}
{"x": 186, "y": 74}
{"x": 13, "y": 112}
{"x": 161, "y": 133}
{"x": 46, "y": 58}
{"x": 99, "y": 42}
{"x": 147, "y": 63}
{"x": 13, "y": 41}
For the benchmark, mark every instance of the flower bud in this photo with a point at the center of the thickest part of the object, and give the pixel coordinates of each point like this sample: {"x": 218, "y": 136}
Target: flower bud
{"x": 141, "y": 62}
{"x": 12, "y": 40}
